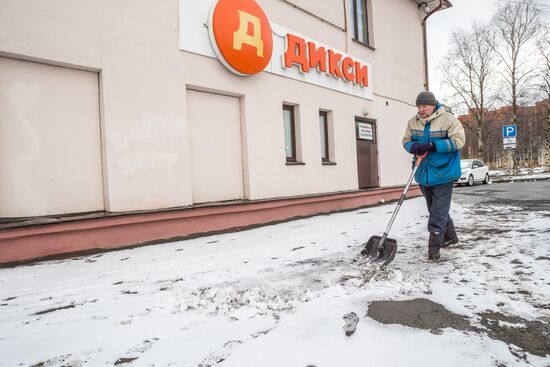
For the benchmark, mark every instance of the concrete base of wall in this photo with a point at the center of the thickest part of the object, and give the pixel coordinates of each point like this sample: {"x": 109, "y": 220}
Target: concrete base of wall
{"x": 30, "y": 243}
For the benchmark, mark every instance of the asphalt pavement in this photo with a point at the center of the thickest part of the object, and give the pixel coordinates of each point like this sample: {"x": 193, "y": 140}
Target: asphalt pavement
{"x": 530, "y": 196}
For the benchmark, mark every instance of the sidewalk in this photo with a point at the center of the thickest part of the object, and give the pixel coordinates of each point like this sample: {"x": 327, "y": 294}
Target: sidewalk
{"x": 40, "y": 238}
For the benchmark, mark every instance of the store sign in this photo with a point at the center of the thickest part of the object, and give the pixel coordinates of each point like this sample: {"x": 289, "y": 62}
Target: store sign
{"x": 365, "y": 131}
{"x": 239, "y": 34}
{"x": 312, "y": 57}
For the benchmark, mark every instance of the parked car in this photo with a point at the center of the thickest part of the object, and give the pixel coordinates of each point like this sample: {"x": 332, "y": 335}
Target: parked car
{"x": 538, "y": 170}
{"x": 473, "y": 170}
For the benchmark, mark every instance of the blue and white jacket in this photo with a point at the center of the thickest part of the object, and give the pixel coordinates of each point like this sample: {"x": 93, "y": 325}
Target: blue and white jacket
{"x": 446, "y": 132}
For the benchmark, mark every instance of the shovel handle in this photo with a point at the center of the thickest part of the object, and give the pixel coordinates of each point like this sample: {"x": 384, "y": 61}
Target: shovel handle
{"x": 419, "y": 159}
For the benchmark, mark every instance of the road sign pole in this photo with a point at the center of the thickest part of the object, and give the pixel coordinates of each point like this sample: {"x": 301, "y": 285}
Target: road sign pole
{"x": 509, "y": 134}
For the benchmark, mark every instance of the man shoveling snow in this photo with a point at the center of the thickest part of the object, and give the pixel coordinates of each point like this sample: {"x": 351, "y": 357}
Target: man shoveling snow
{"x": 440, "y": 135}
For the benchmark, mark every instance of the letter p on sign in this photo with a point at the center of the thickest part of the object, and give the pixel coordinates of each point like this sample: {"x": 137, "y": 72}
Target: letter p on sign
{"x": 241, "y": 36}
{"x": 509, "y": 131}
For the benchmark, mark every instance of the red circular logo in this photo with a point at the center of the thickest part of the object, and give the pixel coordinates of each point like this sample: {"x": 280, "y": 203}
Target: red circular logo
{"x": 241, "y": 36}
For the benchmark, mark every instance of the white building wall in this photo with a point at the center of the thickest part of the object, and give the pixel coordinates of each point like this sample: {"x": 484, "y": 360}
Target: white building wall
{"x": 143, "y": 81}
{"x": 325, "y": 10}
{"x": 133, "y": 44}
{"x": 398, "y": 78}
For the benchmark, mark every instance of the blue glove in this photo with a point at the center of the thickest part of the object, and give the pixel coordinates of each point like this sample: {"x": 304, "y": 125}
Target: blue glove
{"x": 419, "y": 149}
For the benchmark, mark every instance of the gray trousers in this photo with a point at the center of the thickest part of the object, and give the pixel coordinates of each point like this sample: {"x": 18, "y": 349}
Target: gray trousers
{"x": 438, "y": 199}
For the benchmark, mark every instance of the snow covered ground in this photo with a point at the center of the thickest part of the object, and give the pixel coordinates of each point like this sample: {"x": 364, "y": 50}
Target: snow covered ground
{"x": 275, "y": 296}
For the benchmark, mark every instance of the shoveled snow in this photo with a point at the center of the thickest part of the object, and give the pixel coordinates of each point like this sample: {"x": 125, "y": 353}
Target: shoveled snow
{"x": 275, "y": 296}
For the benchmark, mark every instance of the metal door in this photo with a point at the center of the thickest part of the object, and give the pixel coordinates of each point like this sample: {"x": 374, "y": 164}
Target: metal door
{"x": 367, "y": 153}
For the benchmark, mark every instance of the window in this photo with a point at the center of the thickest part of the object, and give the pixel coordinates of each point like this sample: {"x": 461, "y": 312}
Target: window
{"x": 361, "y": 24}
{"x": 323, "y": 127}
{"x": 290, "y": 133}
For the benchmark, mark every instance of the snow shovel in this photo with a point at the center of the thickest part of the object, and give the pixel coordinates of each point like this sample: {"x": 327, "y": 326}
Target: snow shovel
{"x": 383, "y": 249}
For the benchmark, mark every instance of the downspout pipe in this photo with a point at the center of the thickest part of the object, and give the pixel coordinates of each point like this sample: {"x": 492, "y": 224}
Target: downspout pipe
{"x": 425, "y": 37}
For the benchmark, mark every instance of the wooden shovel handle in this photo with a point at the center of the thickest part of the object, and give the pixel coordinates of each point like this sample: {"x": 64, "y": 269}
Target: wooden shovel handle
{"x": 419, "y": 158}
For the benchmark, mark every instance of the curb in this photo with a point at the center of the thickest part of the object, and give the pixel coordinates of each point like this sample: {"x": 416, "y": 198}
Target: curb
{"x": 519, "y": 179}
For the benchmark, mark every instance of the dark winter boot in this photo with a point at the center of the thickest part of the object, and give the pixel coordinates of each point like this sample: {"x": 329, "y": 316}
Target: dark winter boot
{"x": 436, "y": 240}
{"x": 450, "y": 237}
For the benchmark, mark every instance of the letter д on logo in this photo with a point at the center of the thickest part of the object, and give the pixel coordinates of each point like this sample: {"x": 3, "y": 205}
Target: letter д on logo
{"x": 241, "y": 36}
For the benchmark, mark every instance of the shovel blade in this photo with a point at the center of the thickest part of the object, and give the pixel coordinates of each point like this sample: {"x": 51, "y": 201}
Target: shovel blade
{"x": 382, "y": 252}
{"x": 370, "y": 248}
{"x": 387, "y": 251}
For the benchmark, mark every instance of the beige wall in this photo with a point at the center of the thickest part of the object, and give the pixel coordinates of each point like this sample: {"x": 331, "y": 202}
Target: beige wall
{"x": 329, "y": 11}
{"x": 283, "y": 14}
{"x": 399, "y": 71}
{"x": 133, "y": 45}
{"x": 398, "y": 78}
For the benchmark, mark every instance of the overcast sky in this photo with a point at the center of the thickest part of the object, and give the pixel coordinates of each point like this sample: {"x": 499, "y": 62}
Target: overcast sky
{"x": 440, "y": 25}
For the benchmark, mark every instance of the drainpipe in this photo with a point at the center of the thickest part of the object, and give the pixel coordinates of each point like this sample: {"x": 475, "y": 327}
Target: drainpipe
{"x": 425, "y": 38}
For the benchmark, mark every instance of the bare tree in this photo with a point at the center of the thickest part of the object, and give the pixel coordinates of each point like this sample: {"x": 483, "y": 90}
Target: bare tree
{"x": 543, "y": 46}
{"x": 469, "y": 69}
{"x": 518, "y": 23}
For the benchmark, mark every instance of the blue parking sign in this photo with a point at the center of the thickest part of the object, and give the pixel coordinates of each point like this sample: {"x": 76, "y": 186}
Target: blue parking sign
{"x": 509, "y": 131}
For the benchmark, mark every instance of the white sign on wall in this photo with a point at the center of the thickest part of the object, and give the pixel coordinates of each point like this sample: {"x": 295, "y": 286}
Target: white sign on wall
{"x": 365, "y": 131}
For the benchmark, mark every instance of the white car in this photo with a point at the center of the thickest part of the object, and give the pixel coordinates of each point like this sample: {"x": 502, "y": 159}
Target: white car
{"x": 473, "y": 170}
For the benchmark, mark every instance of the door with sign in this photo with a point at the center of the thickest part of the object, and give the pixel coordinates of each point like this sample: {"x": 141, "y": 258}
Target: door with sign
{"x": 367, "y": 153}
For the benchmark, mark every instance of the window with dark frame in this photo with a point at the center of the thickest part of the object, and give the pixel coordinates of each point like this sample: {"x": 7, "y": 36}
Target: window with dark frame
{"x": 360, "y": 21}
{"x": 323, "y": 127}
{"x": 290, "y": 132}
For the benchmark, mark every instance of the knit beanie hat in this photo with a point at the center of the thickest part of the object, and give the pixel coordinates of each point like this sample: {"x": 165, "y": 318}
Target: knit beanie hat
{"x": 426, "y": 98}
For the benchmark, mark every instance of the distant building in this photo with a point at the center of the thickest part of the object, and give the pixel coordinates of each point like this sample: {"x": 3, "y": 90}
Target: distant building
{"x": 533, "y": 127}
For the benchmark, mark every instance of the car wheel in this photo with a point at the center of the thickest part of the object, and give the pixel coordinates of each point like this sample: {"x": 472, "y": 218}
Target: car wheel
{"x": 486, "y": 181}
{"x": 471, "y": 180}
